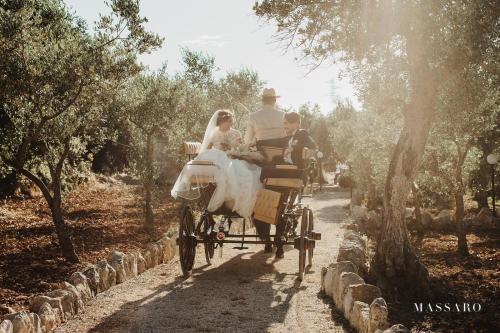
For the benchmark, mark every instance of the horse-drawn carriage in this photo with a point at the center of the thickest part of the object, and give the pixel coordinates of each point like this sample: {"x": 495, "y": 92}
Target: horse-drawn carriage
{"x": 278, "y": 203}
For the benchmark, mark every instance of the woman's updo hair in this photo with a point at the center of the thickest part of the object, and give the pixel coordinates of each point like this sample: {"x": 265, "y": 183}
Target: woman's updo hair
{"x": 223, "y": 116}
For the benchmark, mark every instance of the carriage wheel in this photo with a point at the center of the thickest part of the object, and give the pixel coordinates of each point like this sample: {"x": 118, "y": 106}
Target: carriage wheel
{"x": 208, "y": 244}
{"x": 311, "y": 181}
{"x": 187, "y": 241}
{"x": 302, "y": 245}
{"x": 310, "y": 228}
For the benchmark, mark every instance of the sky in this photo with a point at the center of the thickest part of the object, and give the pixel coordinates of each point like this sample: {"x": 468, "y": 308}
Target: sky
{"x": 237, "y": 38}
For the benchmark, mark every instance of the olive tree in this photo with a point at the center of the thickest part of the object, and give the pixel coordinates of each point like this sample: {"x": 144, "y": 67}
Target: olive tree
{"x": 364, "y": 140}
{"x": 238, "y": 91}
{"x": 468, "y": 110}
{"x": 55, "y": 77}
{"x": 153, "y": 103}
{"x": 418, "y": 43}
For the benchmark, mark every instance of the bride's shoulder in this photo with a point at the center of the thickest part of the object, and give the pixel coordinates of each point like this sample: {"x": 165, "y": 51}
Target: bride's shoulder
{"x": 235, "y": 132}
{"x": 216, "y": 133}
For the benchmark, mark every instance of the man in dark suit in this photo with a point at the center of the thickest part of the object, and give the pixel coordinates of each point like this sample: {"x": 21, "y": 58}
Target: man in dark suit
{"x": 298, "y": 140}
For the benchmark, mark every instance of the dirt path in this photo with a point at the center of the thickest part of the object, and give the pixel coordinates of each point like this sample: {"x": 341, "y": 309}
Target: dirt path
{"x": 244, "y": 291}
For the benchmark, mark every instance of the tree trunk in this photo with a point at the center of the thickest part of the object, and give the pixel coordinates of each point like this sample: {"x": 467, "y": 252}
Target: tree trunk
{"x": 459, "y": 203}
{"x": 62, "y": 232}
{"x": 482, "y": 179}
{"x": 371, "y": 202}
{"x": 418, "y": 214}
{"x": 481, "y": 176}
{"x": 395, "y": 259}
{"x": 148, "y": 184}
{"x": 459, "y": 218}
{"x": 395, "y": 262}
{"x": 481, "y": 197}
{"x": 54, "y": 203}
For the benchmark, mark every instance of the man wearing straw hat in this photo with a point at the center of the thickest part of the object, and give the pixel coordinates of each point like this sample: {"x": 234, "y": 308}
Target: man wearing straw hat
{"x": 265, "y": 128}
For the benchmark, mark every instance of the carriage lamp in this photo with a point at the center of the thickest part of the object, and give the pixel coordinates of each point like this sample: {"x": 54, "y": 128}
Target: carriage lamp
{"x": 221, "y": 235}
{"x": 492, "y": 160}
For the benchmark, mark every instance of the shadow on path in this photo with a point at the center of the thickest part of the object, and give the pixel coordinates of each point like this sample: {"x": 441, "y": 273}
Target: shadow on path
{"x": 223, "y": 298}
{"x": 332, "y": 206}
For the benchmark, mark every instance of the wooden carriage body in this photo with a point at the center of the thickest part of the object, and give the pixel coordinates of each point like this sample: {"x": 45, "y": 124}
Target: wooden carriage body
{"x": 278, "y": 202}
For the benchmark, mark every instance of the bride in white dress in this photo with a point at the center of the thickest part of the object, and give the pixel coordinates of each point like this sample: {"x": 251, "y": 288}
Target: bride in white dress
{"x": 237, "y": 180}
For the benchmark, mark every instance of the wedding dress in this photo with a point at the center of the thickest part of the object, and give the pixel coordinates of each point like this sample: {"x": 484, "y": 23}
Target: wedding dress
{"x": 237, "y": 180}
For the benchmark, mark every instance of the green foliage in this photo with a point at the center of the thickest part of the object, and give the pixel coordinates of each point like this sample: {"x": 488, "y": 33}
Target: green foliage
{"x": 405, "y": 56}
{"x": 154, "y": 104}
{"x": 468, "y": 111}
{"x": 364, "y": 140}
{"x": 346, "y": 180}
{"x": 174, "y": 108}
{"x": 199, "y": 68}
{"x": 385, "y": 33}
{"x": 238, "y": 91}
{"x": 56, "y": 80}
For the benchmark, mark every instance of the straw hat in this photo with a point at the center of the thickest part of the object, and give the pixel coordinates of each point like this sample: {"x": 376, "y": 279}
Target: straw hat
{"x": 269, "y": 92}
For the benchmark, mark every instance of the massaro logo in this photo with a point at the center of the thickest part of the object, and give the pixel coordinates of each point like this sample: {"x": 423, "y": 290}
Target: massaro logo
{"x": 447, "y": 307}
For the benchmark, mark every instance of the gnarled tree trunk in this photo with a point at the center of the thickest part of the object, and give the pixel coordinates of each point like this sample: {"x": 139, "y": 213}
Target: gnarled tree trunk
{"x": 459, "y": 219}
{"x": 62, "y": 231}
{"x": 482, "y": 177}
{"x": 54, "y": 202}
{"x": 395, "y": 260}
{"x": 148, "y": 184}
{"x": 417, "y": 203}
{"x": 459, "y": 203}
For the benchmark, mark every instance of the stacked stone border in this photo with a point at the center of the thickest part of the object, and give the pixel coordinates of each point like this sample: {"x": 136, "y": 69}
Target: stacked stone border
{"x": 370, "y": 221}
{"x": 49, "y": 310}
{"x": 360, "y": 303}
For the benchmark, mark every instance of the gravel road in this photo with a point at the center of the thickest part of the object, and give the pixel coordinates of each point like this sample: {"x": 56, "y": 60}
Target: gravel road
{"x": 244, "y": 291}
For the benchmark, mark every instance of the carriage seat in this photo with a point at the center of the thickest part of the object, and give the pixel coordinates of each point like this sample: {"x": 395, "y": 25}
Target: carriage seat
{"x": 202, "y": 172}
{"x": 271, "y": 154}
{"x": 200, "y": 162}
{"x": 289, "y": 176}
{"x": 274, "y": 155}
{"x": 192, "y": 148}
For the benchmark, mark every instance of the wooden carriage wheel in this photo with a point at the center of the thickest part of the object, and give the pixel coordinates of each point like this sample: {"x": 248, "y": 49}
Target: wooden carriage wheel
{"x": 187, "y": 241}
{"x": 302, "y": 242}
{"x": 310, "y": 228}
{"x": 208, "y": 244}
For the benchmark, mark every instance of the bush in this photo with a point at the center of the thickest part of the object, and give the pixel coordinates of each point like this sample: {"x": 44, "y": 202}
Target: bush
{"x": 346, "y": 180}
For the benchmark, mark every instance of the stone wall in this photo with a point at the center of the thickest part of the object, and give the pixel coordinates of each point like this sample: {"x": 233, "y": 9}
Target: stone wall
{"x": 371, "y": 221}
{"x": 361, "y": 303}
{"x": 49, "y": 310}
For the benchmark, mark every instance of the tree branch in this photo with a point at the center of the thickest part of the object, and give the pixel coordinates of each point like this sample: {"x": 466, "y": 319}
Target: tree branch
{"x": 112, "y": 39}
{"x": 137, "y": 124}
{"x": 64, "y": 155}
{"x": 64, "y": 108}
{"x": 38, "y": 182}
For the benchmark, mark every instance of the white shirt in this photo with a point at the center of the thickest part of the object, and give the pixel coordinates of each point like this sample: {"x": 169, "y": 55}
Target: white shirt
{"x": 267, "y": 123}
{"x": 288, "y": 152}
